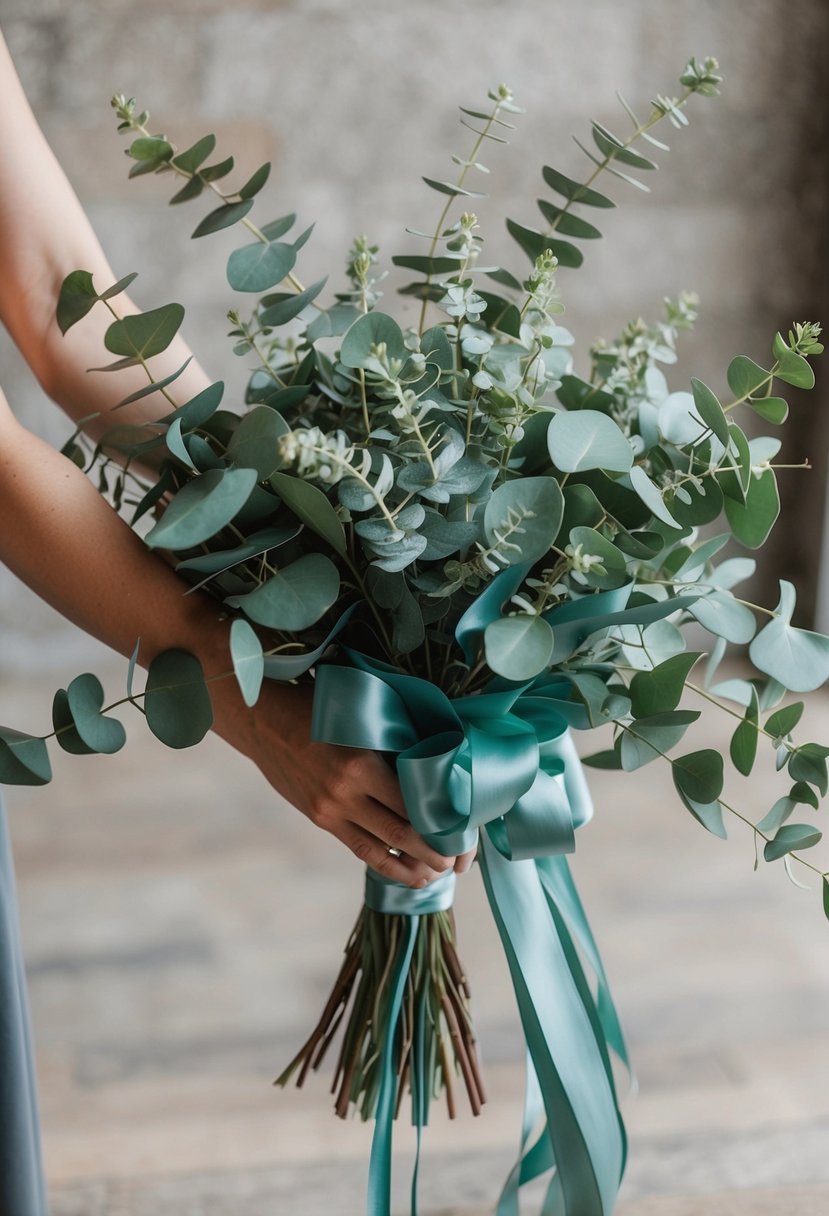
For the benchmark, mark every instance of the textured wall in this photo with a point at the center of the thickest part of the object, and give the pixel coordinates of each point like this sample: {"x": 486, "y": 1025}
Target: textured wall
{"x": 353, "y": 101}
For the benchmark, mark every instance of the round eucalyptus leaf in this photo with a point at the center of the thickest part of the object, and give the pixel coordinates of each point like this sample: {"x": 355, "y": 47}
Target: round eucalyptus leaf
{"x": 248, "y": 660}
{"x": 176, "y": 700}
{"x": 527, "y": 513}
{"x": 518, "y": 647}
{"x": 24, "y": 759}
{"x": 372, "y": 329}
{"x": 613, "y": 562}
{"x": 798, "y": 658}
{"x": 295, "y": 597}
{"x": 587, "y": 439}
{"x": 699, "y": 775}
{"x": 63, "y": 724}
{"x": 202, "y": 508}
{"x": 721, "y": 615}
{"x": 259, "y": 266}
{"x": 254, "y": 444}
{"x": 85, "y": 699}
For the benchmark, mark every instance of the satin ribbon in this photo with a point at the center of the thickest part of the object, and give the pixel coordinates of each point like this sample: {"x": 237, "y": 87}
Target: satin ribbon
{"x": 503, "y": 761}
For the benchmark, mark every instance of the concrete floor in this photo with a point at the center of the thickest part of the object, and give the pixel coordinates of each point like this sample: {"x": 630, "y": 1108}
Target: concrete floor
{"x": 181, "y": 928}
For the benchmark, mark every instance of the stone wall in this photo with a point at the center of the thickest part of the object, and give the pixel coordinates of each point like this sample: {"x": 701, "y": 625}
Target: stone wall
{"x": 353, "y": 101}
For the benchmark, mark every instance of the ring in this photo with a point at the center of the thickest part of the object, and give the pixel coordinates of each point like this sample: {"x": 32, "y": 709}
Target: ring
{"x": 394, "y": 852}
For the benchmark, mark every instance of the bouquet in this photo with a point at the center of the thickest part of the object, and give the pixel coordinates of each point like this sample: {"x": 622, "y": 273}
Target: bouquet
{"x": 470, "y": 548}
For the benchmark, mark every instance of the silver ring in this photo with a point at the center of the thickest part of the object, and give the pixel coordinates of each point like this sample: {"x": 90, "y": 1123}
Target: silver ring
{"x": 394, "y": 852}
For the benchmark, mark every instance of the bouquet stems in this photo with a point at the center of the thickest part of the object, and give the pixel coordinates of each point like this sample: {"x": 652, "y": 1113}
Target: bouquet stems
{"x": 434, "y": 1038}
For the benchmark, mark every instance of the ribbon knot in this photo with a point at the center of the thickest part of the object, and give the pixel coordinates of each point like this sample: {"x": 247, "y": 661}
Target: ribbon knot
{"x": 503, "y": 759}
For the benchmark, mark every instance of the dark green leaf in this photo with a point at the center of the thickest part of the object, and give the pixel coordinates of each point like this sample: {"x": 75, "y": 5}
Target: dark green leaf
{"x": 566, "y": 223}
{"x": 150, "y": 148}
{"x": 745, "y": 377}
{"x": 744, "y": 740}
{"x": 710, "y": 410}
{"x": 193, "y": 157}
{"x": 77, "y": 297}
{"x": 649, "y": 737}
{"x": 255, "y": 442}
{"x": 609, "y": 759}
{"x": 117, "y": 288}
{"x": 451, "y": 189}
{"x": 783, "y": 721}
{"x": 176, "y": 700}
{"x": 257, "y": 267}
{"x": 752, "y": 521}
{"x": 660, "y": 690}
{"x": 223, "y": 217}
{"x": 427, "y": 265}
{"x": 202, "y": 508}
{"x": 790, "y": 838}
{"x": 295, "y": 597}
{"x": 212, "y": 173}
{"x": 773, "y": 409}
{"x": 793, "y": 368}
{"x": 154, "y": 386}
{"x": 277, "y": 228}
{"x": 85, "y": 698}
{"x": 311, "y": 506}
{"x": 801, "y": 792}
{"x": 146, "y": 333}
{"x": 190, "y": 190}
{"x": 24, "y": 759}
{"x": 808, "y": 763}
{"x": 534, "y": 244}
{"x": 195, "y": 412}
{"x": 575, "y": 191}
{"x": 699, "y": 775}
{"x": 256, "y": 181}
{"x": 612, "y": 147}
{"x": 280, "y": 311}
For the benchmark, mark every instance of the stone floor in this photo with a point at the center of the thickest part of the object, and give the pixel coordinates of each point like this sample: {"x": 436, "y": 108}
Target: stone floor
{"x": 181, "y": 926}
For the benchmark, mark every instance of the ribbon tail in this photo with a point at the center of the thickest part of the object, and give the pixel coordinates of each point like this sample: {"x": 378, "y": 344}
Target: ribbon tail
{"x": 561, "y": 891}
{"x": 583, "y": 1124}
{"x": 379, "y": 1169}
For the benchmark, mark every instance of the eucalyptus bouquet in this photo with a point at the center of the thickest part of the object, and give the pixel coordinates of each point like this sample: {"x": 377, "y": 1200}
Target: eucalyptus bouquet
{"x": 469, "y": 548}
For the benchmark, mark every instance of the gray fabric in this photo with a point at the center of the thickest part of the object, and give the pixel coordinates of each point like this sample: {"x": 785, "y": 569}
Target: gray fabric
{"x": 22, "y": 1188}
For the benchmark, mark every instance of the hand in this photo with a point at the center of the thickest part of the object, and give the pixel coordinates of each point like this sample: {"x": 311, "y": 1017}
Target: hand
{"x": 347, "y": 791}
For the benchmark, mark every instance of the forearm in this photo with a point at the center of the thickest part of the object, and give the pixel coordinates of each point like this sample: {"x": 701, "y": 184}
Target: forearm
{"x": 37, "y": 253}
{"x": 66, "y": 543}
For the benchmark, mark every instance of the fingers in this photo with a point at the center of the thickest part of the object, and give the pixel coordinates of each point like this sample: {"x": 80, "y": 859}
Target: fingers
{"x": 380, "y": 782}
{"x": 463, "y": 863}
{"x": 397, "y": 833}
{"x": 374, "y": 853}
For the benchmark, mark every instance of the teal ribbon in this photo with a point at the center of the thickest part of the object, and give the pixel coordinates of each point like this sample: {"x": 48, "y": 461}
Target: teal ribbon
{"x": 503, "y": 761}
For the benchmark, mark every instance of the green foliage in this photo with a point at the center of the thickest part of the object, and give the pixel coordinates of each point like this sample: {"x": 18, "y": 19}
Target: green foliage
{"x": 452, "y": 496}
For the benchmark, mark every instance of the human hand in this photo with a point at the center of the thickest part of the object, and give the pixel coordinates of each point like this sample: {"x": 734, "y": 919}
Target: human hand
{"x": 349, "y": 792}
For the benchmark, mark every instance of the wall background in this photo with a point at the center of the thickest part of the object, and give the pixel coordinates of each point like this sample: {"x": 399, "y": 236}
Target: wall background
{"x": 354, "y": 101}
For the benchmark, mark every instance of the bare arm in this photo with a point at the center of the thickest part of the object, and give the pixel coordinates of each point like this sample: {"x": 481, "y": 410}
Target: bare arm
{"x": 44, "y": 235}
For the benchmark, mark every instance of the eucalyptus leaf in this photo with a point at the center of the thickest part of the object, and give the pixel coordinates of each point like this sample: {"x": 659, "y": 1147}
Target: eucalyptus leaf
{"x": 222, "y": 217}
{"x": 790, "y": 838}
{"x": 311, "y": 506}
{"x": 202, "y": 508}
{"x": 255, "y": 442}
{"x": 587, "y": 439}
{"x": 699, "y": 775}
{"x": 295, "y": 597}
{"x": 176, "y": 700}
{"x": 144, "y": 334}
{"x": 752, "y": 521}
{"x": 85, "y": 699}
{"x": 527, "y": 514}
{"x": 798, "y": 658}
{"x": 248, "y": 660}
{"x": 660, "y": 690}
{"x": 648, "y": 738}
{"x": 371, "y": 330}
{"x": 258, "y": 266}
{"x": 24, "y": 759}
{"x": 518, "y": 647}
{"x": 743, "y": 747}
{"x": 575, "y": 191}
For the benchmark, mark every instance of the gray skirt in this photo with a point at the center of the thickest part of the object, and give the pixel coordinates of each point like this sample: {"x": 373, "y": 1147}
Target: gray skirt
{"x": 22, "y": 1188}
